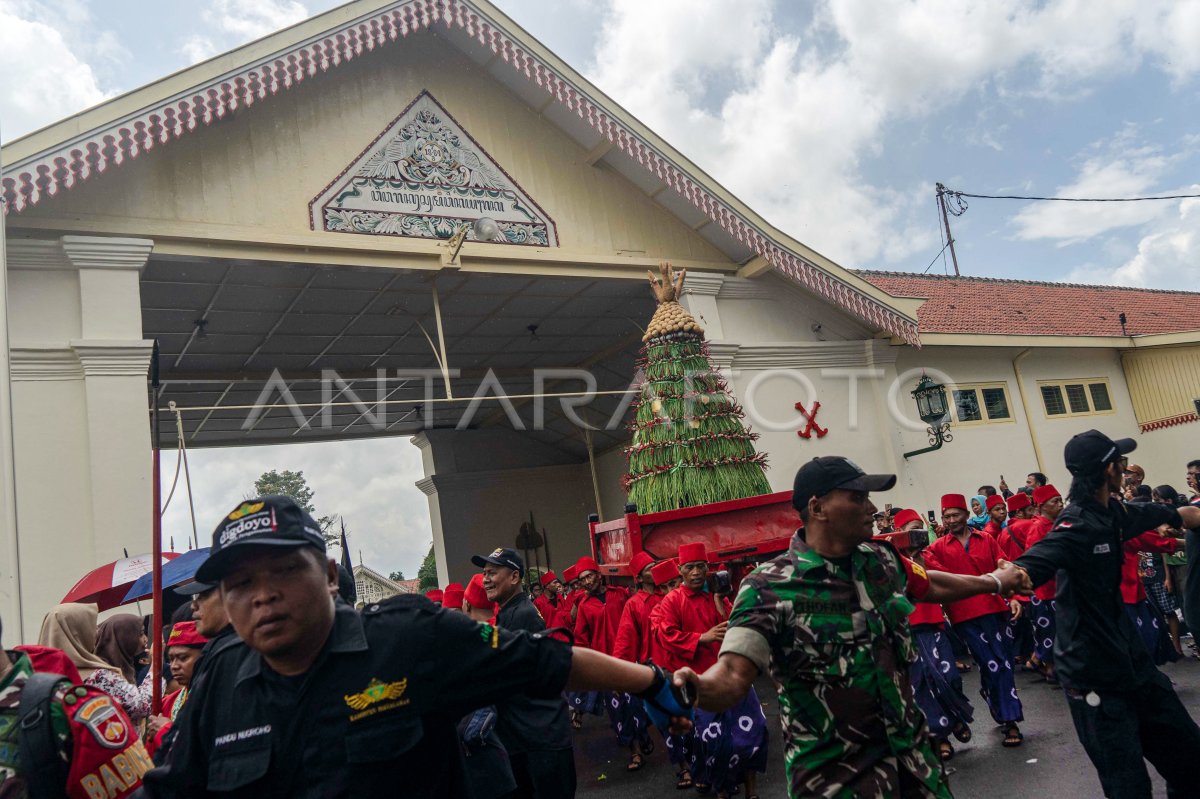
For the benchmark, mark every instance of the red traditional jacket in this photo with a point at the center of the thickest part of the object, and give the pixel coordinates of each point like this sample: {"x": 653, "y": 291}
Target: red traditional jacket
{"x": 1040, "y": 527}
{"x": 633, "y": 633}
{"x": 979, "y": 557}
{"x": 597, "y": 620}
{"x": 678, "y": 621}
{"x": 993, "y": 529}
{"x": 548, "y": 608}
{"x": 1132, "y": 590}
{"x": 565, "y": 605}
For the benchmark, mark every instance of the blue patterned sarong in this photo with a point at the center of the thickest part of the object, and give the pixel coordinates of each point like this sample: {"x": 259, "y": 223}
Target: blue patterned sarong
{"x": 628, "y": 718}
{"x": 936, "y": 683}
{"x": 727, "y": 745}
{"x": 990, "y": 640}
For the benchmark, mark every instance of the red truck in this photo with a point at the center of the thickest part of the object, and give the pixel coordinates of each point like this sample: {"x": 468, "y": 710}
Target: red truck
{"x": 738, "y": 532}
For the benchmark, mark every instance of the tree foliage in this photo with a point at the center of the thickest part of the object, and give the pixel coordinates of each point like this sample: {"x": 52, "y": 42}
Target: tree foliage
{"x": 397, "y": 577}
{"x": 427, "y": 574}
{"x": 293, "y": 484}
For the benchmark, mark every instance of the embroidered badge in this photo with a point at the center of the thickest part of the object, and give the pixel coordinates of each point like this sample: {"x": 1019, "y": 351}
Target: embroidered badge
{"x": 103, "y": 722}
{"x": 376, "y": 691}
{"x": 245, "y": 509}
{"x": 1101, "y": 549}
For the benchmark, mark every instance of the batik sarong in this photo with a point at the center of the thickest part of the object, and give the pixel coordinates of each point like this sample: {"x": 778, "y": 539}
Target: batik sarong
{"x": 628, "y": 718}
{"x": 1153, "y": 631}
{"x": 990, "y": 640}
{"x": 1042, "y": 612}
{"x": 727, "y": 745}
{"x": 936, "y": 683}
{"x": 586, "y": 701}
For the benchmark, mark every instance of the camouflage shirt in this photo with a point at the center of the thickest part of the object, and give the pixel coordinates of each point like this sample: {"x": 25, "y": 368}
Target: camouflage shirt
{"x": 838, "y": 647}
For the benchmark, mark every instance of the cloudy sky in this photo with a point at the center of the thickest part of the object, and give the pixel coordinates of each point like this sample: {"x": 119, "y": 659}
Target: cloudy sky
{"x": 833, "y": 118}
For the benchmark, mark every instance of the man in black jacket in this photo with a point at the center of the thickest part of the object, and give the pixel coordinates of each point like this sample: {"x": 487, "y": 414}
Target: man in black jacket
{"x": 314, "y": 699}
{"x": 1124, "y": 709}
{"x": 535, "y": 731}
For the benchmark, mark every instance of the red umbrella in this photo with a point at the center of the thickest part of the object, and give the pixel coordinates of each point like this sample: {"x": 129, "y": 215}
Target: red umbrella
{"x": 107, "y": 585}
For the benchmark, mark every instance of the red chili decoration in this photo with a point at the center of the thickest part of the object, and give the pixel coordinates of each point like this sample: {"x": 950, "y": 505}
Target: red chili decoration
{"x": 811, "y": 418}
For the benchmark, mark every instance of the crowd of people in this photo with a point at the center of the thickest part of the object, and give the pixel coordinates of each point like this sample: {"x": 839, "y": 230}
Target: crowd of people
{"x": 279, "y": 686}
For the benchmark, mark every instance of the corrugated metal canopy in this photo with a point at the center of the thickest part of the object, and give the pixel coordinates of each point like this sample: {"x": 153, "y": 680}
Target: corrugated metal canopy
{"x": 241, "y": 333}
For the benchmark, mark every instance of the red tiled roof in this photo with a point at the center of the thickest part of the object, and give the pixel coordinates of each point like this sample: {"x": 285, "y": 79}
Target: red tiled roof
{"x": 1030, "y": 308}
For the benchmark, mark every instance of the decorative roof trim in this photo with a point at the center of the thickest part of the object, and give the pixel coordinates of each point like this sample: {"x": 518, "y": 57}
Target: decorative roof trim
{"x": 1172, "y": 421}
{"x": 109, "y": 146}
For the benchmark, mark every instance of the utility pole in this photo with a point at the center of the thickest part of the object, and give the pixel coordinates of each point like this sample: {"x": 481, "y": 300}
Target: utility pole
{"x": 941, "y": 199}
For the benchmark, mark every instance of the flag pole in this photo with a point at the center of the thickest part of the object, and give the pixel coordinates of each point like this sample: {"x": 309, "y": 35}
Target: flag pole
{"x": 156, "y": 624}
{"x": 347, "y": 564}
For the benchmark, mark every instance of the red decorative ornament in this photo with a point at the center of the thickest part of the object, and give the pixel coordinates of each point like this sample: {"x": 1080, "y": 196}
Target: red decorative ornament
{"x": 811, "y": 419}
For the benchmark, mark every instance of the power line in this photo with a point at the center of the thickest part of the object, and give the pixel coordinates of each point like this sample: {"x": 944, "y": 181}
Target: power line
{"x": 1072, "y": 199}
{"x": 934, "y": 261}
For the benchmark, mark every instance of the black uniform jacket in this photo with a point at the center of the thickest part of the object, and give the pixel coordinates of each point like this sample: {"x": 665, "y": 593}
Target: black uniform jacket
{"x": 1096, "y": 645}
{"x": 374, "y": 716}
{"x": 526, "y": 722}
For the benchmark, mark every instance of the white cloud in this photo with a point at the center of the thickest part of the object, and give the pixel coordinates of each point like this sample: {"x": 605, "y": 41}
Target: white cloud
{"x": 198, "y": 48}
{"x": 808, "y": 107}
{"x": 235, "y": 22}
{"x": 370, "y": 483}
{"x": 44, "y": 79}
{"x": 1168, "y": 254}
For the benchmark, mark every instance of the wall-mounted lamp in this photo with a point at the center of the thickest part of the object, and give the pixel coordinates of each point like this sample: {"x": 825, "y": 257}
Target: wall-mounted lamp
{"x": 931, "y": 407}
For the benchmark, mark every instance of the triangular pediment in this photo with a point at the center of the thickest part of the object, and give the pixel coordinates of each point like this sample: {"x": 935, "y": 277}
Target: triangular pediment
{"x": 85, "y": 148}
{"x": 424, "y": 177}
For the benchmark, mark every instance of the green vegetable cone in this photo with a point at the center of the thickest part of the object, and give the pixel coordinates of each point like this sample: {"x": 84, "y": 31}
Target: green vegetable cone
{"x": 689, "y": 444}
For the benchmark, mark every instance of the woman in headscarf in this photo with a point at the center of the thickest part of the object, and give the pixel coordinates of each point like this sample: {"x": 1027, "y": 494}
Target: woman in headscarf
{"x": 72, "y": 628}
{"x": 979, "y": 514}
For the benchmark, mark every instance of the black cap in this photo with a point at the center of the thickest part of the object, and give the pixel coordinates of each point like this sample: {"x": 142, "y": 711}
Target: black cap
{"x": 193, "y": 588}
{"x": 1090, "y": 452}
{"x": 501, "y": 556}
{"x": 821, "y": 475}
{"x": 274, "y": 521}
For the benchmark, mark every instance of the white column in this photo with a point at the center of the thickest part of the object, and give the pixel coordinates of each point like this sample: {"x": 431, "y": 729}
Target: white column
{"x": 81, "y": 426}
{"x": 115, "y": 362}
{"x": 10, "y": 550}
{"x": 700, "y": 298}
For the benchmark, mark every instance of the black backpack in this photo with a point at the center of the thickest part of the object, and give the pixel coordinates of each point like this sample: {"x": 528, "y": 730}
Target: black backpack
{"x": 44, "y": 769}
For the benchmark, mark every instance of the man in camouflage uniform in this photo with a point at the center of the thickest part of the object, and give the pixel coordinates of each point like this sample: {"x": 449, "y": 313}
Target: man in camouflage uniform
{"x": 829, "y": 621}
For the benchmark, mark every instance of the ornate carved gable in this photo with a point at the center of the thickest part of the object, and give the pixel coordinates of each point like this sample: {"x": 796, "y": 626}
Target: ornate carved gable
{"x": 423, "y": 177}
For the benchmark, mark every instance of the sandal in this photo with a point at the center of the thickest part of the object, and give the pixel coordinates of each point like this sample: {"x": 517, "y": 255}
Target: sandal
{"x": 684, "y": 780}
{"x": 945, "y": 750}
{"x": 961, "y": 732}
{"x": 962, "y": 665}
{"x": 635, "y": 762}
{"x": 576, "y": 720}
{"x": 1012, "y": 736}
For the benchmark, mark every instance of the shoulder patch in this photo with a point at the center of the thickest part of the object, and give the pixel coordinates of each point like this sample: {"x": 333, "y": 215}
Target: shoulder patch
{"x": 102, "y": 720}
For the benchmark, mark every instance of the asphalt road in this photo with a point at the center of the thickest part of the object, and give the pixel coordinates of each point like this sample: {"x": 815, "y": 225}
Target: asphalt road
{"x": 1050, "y": 763}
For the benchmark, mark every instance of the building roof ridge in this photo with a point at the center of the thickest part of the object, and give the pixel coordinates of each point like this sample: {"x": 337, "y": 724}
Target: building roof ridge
{"x": 867, "y": 273}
